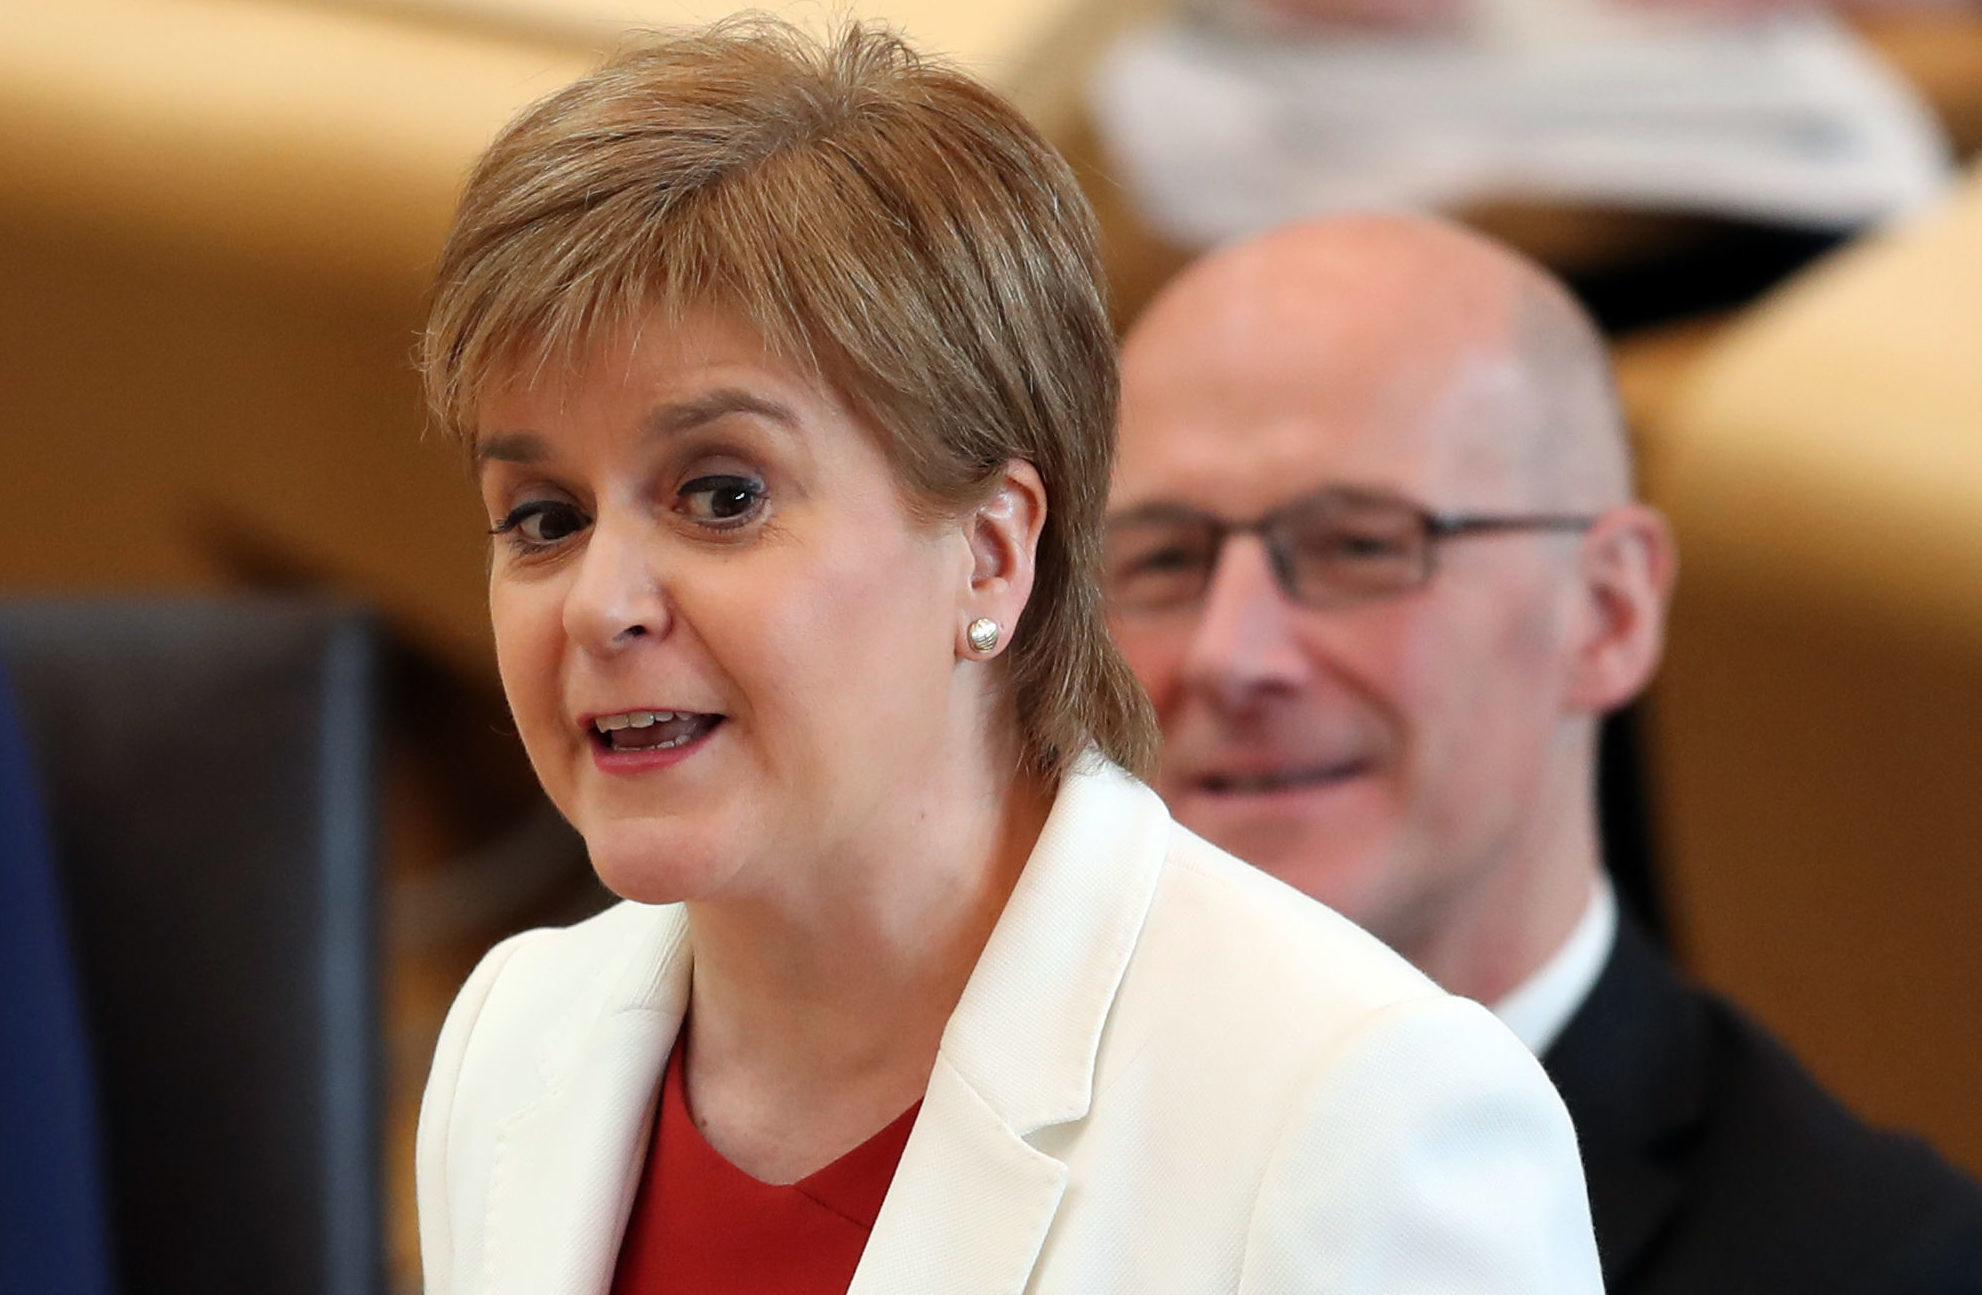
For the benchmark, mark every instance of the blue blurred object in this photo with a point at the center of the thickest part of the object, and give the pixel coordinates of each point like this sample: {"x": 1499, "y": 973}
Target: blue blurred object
{"x": 52, "y": 1237}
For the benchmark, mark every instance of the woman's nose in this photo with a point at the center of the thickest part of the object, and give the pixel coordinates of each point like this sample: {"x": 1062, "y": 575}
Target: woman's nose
{"x": 1245, "y": 643}
{"x": 616, "y": 596}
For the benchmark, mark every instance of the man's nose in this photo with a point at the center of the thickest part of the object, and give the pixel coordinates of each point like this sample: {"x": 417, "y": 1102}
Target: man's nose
{"x": 1246, "y": 642}
{"x": 616, "y": 595}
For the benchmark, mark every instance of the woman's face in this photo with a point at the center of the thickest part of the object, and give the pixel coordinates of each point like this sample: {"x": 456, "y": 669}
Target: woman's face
{"x": 730, "y": 650}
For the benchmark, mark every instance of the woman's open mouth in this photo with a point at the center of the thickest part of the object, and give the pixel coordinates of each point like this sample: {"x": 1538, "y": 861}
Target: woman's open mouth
{"x": 650, "y": 730}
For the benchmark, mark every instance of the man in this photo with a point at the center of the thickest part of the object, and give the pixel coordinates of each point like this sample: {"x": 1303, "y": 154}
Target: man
{"x": 1375, "y": 555}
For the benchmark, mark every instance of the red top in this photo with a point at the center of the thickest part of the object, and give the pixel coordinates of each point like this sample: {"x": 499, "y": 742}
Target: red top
{"x": 702, "y": 1225}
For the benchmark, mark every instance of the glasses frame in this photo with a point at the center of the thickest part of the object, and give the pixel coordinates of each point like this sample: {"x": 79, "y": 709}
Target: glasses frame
{"x": 1438, "y": 527}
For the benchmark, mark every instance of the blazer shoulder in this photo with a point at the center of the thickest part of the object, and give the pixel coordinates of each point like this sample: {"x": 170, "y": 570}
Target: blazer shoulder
{"x": 1244, "y": 988}
{"x": 1425, "y": 1145}
{"x": 1320, "y": 962}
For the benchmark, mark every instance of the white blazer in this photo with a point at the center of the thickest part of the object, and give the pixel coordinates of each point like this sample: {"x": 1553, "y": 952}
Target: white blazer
{"x": 1168, "y": 1073}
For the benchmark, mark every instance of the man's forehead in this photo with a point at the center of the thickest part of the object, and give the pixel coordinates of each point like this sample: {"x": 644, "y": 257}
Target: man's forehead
{"x": 1369, "y": 354}
{"x": 1238, "y": 435}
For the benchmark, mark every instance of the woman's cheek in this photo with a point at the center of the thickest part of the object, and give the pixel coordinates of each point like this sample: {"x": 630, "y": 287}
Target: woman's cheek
{"x": 528, "y": 643}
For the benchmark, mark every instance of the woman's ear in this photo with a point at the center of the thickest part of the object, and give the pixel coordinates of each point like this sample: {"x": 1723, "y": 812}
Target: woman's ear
{"x": 1003, "y": 532}
{"x": 1628, "y": 564}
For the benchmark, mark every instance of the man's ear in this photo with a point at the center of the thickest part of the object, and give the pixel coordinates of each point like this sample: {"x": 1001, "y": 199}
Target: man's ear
{"x": 1004, "y": 545}
{"x": 1628, "y": 562}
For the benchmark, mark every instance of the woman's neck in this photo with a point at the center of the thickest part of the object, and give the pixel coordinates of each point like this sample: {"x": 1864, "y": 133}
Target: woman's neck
{"x": 815, "y": 1013}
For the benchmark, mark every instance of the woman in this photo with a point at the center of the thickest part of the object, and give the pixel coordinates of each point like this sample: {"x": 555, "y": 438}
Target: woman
{"x": 790, "y": 388}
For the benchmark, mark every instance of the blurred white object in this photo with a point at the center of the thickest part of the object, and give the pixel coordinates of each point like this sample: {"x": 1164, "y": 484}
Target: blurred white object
{"x": 1036, "y": 52}
{"x": 1218, "y": 131}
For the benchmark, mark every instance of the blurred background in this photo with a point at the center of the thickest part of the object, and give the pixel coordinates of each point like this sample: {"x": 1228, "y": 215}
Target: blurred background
{"x": 217, "y": 220}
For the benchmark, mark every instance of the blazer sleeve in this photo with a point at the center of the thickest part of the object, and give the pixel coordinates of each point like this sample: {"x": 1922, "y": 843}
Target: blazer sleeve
{"x": 432, "y": 1142}
{"x": 1429, "y": 1154}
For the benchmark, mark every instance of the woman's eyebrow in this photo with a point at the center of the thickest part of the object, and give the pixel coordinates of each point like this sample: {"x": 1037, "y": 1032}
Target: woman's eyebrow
{"x": 669, "y": 419}
{"x": 509, "y": 447}
{"x": 684, "y": 415}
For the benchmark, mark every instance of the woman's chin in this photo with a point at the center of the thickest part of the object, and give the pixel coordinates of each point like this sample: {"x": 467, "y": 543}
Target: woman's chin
{"x": 651, "y": 867}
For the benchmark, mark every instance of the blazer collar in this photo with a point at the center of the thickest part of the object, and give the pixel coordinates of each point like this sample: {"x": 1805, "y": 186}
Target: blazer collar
{"x": 1632, "y": 1068}
{"x": 1026, "y": 1032}
{"x": 568, "y": 1165}
{"x": 971, "y": 1202}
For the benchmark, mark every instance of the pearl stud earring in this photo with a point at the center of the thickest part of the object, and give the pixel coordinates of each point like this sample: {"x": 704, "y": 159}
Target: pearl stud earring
{"x": 983, "y": 634}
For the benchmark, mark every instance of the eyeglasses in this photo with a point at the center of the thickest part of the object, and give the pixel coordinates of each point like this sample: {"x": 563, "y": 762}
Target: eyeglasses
{"x": 1339, "y": 545}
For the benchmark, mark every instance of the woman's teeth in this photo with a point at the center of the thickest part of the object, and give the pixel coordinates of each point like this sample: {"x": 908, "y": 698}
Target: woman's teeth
{"x": 632, "y": 719}
{"x": 652, "y": 730}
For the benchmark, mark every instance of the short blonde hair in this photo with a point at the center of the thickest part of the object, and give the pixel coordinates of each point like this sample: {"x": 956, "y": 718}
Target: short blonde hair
{"x": 878, "y": 216}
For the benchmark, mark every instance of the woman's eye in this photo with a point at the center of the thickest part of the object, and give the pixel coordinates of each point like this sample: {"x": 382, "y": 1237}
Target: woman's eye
{"x": 722, "y": 500}
{"x": 541, "y": 523}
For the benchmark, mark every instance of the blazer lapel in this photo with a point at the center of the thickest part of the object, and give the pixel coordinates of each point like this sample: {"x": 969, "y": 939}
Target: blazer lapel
{"x": 567, "y": 1166}
{"x": 972, "y": 1202}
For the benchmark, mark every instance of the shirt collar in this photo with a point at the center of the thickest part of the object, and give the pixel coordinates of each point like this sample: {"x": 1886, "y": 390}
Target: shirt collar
{"x": 1538, "y": 1007}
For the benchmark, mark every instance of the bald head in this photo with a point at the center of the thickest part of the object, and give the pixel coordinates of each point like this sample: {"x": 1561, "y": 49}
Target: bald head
{"x": 1403, "y": 326}
{"x": 1417, "y": 753}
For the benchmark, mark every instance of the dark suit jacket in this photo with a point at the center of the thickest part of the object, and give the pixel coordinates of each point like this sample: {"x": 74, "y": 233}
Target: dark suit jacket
{"x": 1718, "y": 1167}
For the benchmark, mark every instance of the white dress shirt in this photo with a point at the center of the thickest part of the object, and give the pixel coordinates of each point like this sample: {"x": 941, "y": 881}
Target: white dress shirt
{"x": 1538, "y": 1007}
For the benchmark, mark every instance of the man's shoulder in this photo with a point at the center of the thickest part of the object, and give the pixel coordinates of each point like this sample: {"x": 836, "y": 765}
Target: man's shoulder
{"x": 1848, "y": 1198}
{"x": 1715, "y": 1157}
